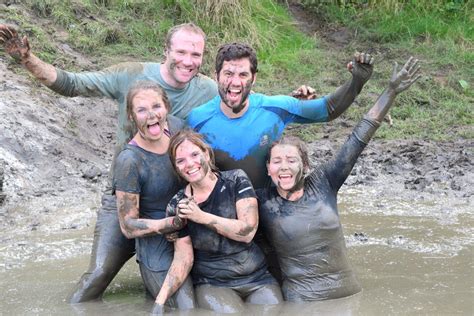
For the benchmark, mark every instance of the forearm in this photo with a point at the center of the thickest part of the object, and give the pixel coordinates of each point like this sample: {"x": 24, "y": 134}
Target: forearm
{"x": 365, "y": 130}
{"x": 177, "y": 273}
{"x": 234, "y": 229}
{"x": 342, "y": 98}
{"x": 44, "y": 72}
{"x": 141, "y": 227}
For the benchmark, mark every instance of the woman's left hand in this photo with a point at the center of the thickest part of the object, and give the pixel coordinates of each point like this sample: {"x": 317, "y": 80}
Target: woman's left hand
{"x": 189, "y": 209}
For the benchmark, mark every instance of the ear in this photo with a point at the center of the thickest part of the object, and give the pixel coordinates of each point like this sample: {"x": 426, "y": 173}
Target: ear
{"x": 216, "y": 77}
{"x": 254, "y": 78}
{"x": 267, "y": 165}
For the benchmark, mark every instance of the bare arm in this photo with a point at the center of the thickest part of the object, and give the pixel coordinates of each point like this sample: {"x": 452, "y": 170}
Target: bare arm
{"x": 180, "y": 267}
{"x": 20, "y": 50}
{"x": 361, "y": 68}
{"x": 242, "y": 229}
{"x": 132, "y": 226}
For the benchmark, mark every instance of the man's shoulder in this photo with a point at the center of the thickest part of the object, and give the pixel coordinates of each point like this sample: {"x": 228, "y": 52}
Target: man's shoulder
{"x": 204, "y": 82}
{"x": 204, "y": 111}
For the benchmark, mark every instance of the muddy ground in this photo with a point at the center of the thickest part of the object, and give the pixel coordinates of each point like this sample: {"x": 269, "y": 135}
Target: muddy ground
{"x": 55, "y": 153}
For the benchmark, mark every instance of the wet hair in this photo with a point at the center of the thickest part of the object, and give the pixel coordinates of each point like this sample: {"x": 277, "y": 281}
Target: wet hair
{"x": 292, "y": 141}
{"x": 234, "y": 51}
{"x": 190, "y": 27}
{"x": 133, "y": 91}
{"x": 195, "y": 138}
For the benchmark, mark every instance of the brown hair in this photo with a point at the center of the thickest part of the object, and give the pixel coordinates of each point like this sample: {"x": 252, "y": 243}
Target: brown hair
{"x": 195, "y": 138}
{"x": 190, "y": 27}
{"x": 133, "y": 91}
{"x": 233, "y": 51}
{"x": 292, "y": 141}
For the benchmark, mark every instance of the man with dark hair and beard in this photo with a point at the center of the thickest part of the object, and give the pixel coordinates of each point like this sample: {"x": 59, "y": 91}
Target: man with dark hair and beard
{"x": 240, "y": 126}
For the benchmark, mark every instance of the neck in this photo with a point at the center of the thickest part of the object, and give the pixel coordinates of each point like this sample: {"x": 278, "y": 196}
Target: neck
{"x": 201, "y": 190}
{"x": 159, "y": 146}
{"x": 290, "y": 195}
{"x": 165, "y": 74}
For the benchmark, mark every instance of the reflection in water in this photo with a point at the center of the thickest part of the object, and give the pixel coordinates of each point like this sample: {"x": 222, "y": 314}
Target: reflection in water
{"x": 410, "y": 257}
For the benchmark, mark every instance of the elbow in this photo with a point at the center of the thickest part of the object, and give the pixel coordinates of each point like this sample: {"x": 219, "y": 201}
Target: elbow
{"x": 126, "y": 232}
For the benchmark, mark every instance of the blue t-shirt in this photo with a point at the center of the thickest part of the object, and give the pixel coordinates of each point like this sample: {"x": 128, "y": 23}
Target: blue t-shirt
{"x": 243, "y": 143}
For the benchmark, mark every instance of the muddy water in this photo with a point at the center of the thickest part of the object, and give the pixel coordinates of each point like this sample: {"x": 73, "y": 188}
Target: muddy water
{"x": 412, "y": 256}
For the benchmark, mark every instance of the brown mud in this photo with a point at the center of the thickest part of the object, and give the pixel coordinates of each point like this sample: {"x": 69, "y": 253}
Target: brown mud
{"x": 55, "y": 153}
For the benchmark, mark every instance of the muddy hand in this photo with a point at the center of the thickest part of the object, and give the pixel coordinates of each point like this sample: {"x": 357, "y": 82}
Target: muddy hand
{"x": 171, "y": 237}
{"x": 403, "y": 79}
{"x": 361, "y": 66}
{"x": 18, "y": 48}
{"x": 304, "y": 93}
{"x": 188, "y": 209}
{"x": 159, "y": 309}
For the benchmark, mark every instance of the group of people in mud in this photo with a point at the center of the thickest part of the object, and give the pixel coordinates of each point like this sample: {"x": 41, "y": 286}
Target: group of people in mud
{"x": 219, "y": 208}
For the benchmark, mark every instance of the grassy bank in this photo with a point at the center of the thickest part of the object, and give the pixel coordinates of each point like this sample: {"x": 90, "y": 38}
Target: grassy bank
{"x": 440, "y": 35}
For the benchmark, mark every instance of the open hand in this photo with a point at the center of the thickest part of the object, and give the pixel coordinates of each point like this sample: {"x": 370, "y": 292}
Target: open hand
{"x": 18, "y": 48}
{"x": 403, "y": 79}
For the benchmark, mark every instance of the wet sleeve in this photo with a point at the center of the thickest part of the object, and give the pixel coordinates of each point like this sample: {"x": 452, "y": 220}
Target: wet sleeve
{"x": 243, "y": 186}
{"x": 292, "y": 110}
{"x": 126, "y": 173}
{"x": 338, "y": 169}
{"x": 109, "y": 83}
{"x": 171, "y": 211}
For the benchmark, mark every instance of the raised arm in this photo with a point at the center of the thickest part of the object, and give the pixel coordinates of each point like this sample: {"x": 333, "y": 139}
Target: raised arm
{"x": 180, "y": 267}
{"x": 242, "y": 229}
{"x": 132, "y": 226}
{"x": 339, "y": 168}
{"x": 361, "y": 68}
{"x": 20, "y": 50}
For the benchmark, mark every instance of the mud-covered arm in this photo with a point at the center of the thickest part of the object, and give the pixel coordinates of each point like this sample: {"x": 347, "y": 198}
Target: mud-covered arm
{"x": 180, "y": 267}
{"x": 361, "y": 68}
{"x": 128, "y": 205}
{"x": 20, "y": 50}
{"x": 241, "y": 229}
{"x": 110, "y": 83}
{"x": 340, "y": 168}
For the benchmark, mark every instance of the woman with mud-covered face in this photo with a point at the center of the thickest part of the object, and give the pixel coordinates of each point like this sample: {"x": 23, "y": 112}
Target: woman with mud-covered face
{"x": 220, "y": 209}
{"x": 299, "y": 213}
{"x": 144, "y": 182}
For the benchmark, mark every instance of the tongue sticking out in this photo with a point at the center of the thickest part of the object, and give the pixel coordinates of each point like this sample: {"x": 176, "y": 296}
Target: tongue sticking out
{"x": 154, "y": 129}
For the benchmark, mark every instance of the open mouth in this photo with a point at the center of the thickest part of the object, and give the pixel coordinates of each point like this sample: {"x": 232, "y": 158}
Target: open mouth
{"x": 234, "y": 94}
{"x": 154, "y": 129}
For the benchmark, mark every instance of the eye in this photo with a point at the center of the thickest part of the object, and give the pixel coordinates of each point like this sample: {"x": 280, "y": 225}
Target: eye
{"x": 292, "y": 160}
{"x": 156, "y": 106}
{"x": 195, "y": 154}
{"x": 179, "y": 161}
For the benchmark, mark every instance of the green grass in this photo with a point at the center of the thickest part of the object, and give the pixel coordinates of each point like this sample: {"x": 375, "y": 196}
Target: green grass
{"x": 438, "y": 33}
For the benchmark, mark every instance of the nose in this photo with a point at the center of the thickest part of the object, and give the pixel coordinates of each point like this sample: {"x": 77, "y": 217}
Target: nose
{"x": 187, "y": 60}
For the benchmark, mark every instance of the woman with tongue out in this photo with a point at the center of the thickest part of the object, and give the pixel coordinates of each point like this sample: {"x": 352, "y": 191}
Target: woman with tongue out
{"x": 222, "y": 217}
{"x": 299, "y": 214}
{"x": 144, "y": 182}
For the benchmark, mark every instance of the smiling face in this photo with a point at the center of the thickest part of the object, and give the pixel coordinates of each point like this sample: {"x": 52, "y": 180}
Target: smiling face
{"x": 183, "y": 58}
{"x": 191, "y": 162}
{"x": 235, "y": 81}
{"x": 149, "y": 114}
{"x": 286, "y": 169}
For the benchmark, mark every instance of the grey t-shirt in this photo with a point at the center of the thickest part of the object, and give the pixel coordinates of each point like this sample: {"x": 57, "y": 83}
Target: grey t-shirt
{"x": 307, "y": 234}
{"x": 152, "y": 177}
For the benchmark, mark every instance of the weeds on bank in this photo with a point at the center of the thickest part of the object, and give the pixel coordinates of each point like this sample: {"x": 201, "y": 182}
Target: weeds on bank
{"x": 439, "y": 33}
